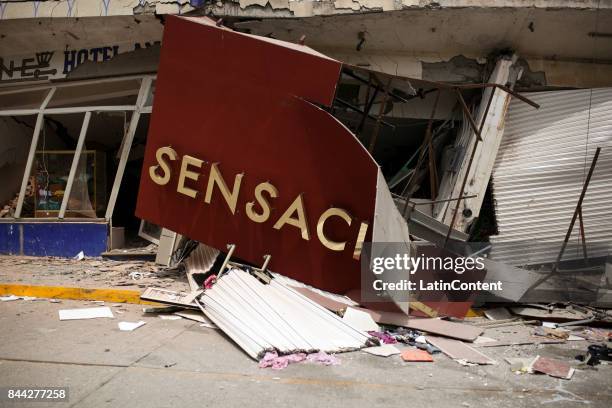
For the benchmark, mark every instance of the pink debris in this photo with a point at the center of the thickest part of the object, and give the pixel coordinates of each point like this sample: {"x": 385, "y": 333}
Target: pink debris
{"x": 273, "y": 360}
{"x": 276, "y": 362}
{"x": 323, "y": 358}
{"x": 386, "y": 338}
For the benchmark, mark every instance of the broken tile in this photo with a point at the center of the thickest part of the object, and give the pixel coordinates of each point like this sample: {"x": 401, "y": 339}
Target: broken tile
{"x": 552, "y": 367}
{"x": 416, "y": 355}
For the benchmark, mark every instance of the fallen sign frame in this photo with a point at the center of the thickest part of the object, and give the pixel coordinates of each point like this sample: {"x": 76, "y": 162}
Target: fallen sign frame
{"x": 281, "y": 149}
{"x": 264, "y": 132}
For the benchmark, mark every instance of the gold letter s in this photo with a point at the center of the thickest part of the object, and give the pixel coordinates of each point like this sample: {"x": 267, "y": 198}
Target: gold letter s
{"x": 159, "y": 155}
{"x": 265, "y": 213}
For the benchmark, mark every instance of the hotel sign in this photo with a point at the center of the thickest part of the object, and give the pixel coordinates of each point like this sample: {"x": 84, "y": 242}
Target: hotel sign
{"x": 239, "y": 152}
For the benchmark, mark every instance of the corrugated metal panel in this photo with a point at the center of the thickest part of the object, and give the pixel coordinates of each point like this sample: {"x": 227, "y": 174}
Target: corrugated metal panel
{"x": 539, "y": 173}
{"x": 201, "y": 259}
{"x": 261, "y": 317}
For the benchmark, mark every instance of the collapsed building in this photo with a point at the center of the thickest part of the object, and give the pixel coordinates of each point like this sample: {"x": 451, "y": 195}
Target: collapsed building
{"x": 485, "y": 128}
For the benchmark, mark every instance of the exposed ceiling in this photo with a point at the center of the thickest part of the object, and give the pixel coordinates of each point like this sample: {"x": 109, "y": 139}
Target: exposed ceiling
{"x": 439, "y": 34}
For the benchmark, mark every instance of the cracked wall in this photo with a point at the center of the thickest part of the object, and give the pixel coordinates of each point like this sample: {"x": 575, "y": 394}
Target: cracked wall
{"x": 93, "y": 8}
{"x": 268, "y": 8}
{"x": 309, "y": 8}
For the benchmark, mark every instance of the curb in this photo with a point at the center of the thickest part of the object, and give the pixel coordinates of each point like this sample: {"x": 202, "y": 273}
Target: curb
{"x": 107, "y": 295}
{"x": 61, "y": 292}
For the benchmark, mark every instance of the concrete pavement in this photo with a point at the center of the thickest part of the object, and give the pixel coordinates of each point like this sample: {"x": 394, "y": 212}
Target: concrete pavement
{"x": 178, "y": 363}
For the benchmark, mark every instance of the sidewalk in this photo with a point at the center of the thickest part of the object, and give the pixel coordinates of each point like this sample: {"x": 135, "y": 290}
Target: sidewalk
{"x": 169, "y": 363}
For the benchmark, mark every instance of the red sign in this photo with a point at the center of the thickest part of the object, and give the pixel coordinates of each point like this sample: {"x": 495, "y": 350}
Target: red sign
{"x": 238, "y": 152}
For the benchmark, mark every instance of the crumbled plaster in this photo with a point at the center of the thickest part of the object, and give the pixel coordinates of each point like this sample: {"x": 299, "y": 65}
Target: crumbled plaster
{"x": 273, "y": 8}
{"x": 309, "y": 8}
{"x": 173, "y": 7}
{"x": 92, "y": 8}
{"x": 346, "y": 4}
{"x": 144, "y": 8}
{"x": 456, "y": 69}
{"x": 274, "y": 4}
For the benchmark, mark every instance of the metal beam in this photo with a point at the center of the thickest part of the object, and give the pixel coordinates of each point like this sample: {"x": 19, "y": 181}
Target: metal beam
{"x": 433, "y": 174}
{"x": 145, "y": 87}
{"x": 381, "y": 110}
{"x": 356, "y": 109}
{"x": 32, "y": 152}
{"x": 376, "y": 87}
{"x": 66, "y": 84}
{"x": 73, "y": 167}
{"x": 62, "y": 111}
{"x": 578, "y": 210}
{"x": 368, "y": 105}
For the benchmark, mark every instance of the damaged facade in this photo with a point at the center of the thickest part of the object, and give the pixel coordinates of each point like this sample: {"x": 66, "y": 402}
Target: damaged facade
{"x": 274, "y": 152}
{"x": 77, "y": 90}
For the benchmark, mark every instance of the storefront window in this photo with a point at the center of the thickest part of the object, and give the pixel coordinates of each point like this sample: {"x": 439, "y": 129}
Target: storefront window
{"x": 82, "y": 137}
{"x": 51, "y": 165}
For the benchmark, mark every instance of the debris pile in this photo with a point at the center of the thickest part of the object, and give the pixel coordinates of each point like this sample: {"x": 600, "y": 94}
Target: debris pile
{"x": 279, "y": 321}
{"x": 90, "y": 271}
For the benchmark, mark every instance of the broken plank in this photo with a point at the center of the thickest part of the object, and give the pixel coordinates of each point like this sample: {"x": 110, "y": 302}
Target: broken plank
{"x": 326, "y": 302}
{"x": 435, "y": 326}
{"x": 185, "y": 299}
{"x": 458, "y": 350}
{"x": 445, "y": 328}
